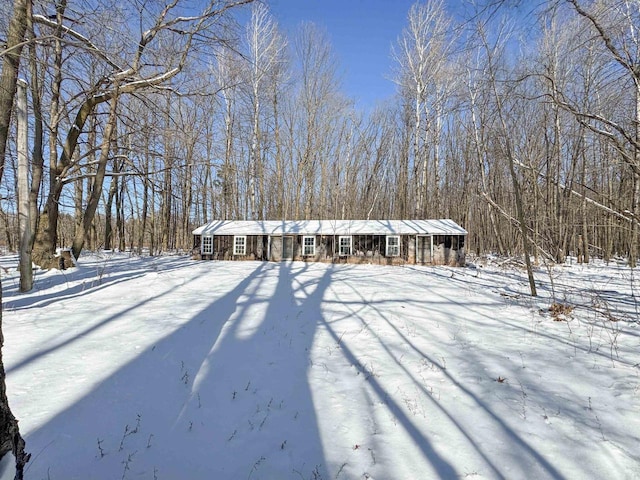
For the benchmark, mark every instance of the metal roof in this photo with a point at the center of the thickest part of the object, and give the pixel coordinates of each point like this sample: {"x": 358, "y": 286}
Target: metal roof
{"x": 331, "y": 227}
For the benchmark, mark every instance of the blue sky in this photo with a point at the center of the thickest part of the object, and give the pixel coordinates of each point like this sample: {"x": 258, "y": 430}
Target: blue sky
{"x": 362, "y": 34}
{"x": 361, "y": 31}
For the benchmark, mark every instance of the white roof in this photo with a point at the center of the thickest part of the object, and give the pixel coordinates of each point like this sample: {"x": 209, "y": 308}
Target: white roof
{"x": 331, "y": 227}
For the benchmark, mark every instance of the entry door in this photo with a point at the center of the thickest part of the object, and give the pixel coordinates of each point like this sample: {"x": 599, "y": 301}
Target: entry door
{"x": 423, "y": 250}
{"x": 276, "y": 249}
{"x": 287, "y": 248}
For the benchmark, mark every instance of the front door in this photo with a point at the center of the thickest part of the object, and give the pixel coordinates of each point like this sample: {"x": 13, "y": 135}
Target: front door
{"x": 423, "y": 250}
{"x": 287, "y": 248}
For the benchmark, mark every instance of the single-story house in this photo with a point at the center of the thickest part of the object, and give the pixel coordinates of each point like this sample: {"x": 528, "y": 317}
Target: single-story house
{"x": 422, "y": 242}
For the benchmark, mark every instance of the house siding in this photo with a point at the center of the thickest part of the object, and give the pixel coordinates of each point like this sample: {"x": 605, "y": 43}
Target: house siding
{"x": 443, "y": 246}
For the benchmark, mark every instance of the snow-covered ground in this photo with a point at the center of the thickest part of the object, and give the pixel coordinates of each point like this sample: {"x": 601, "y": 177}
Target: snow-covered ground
{"x": 167, "y": 368}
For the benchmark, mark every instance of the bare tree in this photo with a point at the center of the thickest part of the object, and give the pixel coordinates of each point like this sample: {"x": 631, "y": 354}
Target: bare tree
{"x": 319, "y": 106}
{"x": 227, "y": 73}
{"x": 509, "y": 152}
{"x": 96, "y": 187}
{"x": 24, "y": 209}
{"x": 139, "y": 75}
{"x": 479, "y": 126}
{"x": 421, "y": 55}
{"x": 616, "y": 28}
{"x": 265, "y": 46}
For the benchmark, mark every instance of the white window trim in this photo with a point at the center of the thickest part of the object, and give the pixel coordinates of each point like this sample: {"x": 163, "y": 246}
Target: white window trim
{"x": 340, "y": 238}
{"x": 389, "y": 248}
{"x": 207, "y": 245}
{"x": 312, "y": 246}
{"x": 240, "y": 251}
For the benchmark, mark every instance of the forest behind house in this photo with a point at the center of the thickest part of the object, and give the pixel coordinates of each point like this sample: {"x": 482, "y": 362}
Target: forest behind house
{"x": 144, "y": 121}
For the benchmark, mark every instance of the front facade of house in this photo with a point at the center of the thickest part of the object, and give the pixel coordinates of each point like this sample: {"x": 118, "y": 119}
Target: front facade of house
{"x": 393, "y": 242}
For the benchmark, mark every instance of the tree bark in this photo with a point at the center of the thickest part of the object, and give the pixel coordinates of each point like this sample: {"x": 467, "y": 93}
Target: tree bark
{"x": 108, "y": 228}
{"x": 10, "y": 438}
{"x": 96, "y": 190}
{"x": 120, "y": 221}
{"x": 37, "y": 156}
{"x": 24, "y": 210}
{"x": 9, "y": 76}
{"x": 145, "y": 203}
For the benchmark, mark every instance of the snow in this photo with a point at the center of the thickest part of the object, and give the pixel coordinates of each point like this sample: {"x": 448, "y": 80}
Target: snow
{"x": 331, "y": 227}
{"x": 168, "y": 368}
{"x": 8, "y": 467}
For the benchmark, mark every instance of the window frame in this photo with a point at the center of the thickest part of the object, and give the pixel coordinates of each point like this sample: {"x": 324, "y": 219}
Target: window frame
{"x": 305, "y": 252}
{"x": 340, "y": 246}
{"x": 206, "y": 247}
{"x": 236, "y": 245}
{"x": 388, "y": 247}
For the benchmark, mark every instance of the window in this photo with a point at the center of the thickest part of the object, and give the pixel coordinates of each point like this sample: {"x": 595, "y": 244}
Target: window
{"x": 308, "y": 246}
{"x": 207, "y": 245}
{"x": 344, "y": 245}
{"x": 393, "y": 245}
{"x": 240, "y": 245}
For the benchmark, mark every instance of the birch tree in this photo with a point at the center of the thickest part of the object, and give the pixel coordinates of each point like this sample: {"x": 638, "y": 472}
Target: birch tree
{"x": 226, "y": 71}
{"x": 265, "y": 49}
{"x": 24, "y": 208}
{"x": 421, "y": 55}
{"x": 478, "y": 109}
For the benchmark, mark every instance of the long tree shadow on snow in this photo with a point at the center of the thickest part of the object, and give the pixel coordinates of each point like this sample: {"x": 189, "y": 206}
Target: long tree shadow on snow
{"x": 90, "y": 277}
{"x": 224, "y": 396}
{"x": 228, "y": 394}
{"x": 121, "y": 276}
{"x": 520, "y": 446}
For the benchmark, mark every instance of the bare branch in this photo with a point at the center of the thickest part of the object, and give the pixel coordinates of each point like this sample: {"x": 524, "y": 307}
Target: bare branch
{"x": 78, "y": 36}
{"x": 627, "y": 63}
{"x": 627, "y": 215}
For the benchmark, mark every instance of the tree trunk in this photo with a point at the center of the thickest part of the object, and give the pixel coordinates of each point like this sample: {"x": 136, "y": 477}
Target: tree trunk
{"x": 47, "y": 237}
{"x": 480, "y": 146}
{"x": 9, "y": 76}
{"x": 108, "y": 229}
{"x": 96, "y": 190}
{"x": 512, "y": 172}
{"x": 120, "y": 222}
{"x": 635, "y": 200}
{"x": 403, "y": 168}
{"x": 145, "y": 205}
{"x": 37, "y": 159}
{"x": 167, "y": 202}
{"x": 24, "y": 210}
{"x": 10, "y": 438}
{"x": 583, "y": 209}
{"x": 228, "y": 192}
{"x": 8, "y": 230}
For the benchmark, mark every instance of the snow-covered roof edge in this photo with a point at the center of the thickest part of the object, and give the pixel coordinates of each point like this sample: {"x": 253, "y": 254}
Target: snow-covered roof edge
{"x": 331, "y": 227}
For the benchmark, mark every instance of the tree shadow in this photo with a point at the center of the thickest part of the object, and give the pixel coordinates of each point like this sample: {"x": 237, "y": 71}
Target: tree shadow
{"x": 455, "y": 417}
{"x": 265, "y": 379}
{"x": 80, "y": 290}
{"x": 94, "y": 275}
{"x": 223, "y": 396}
